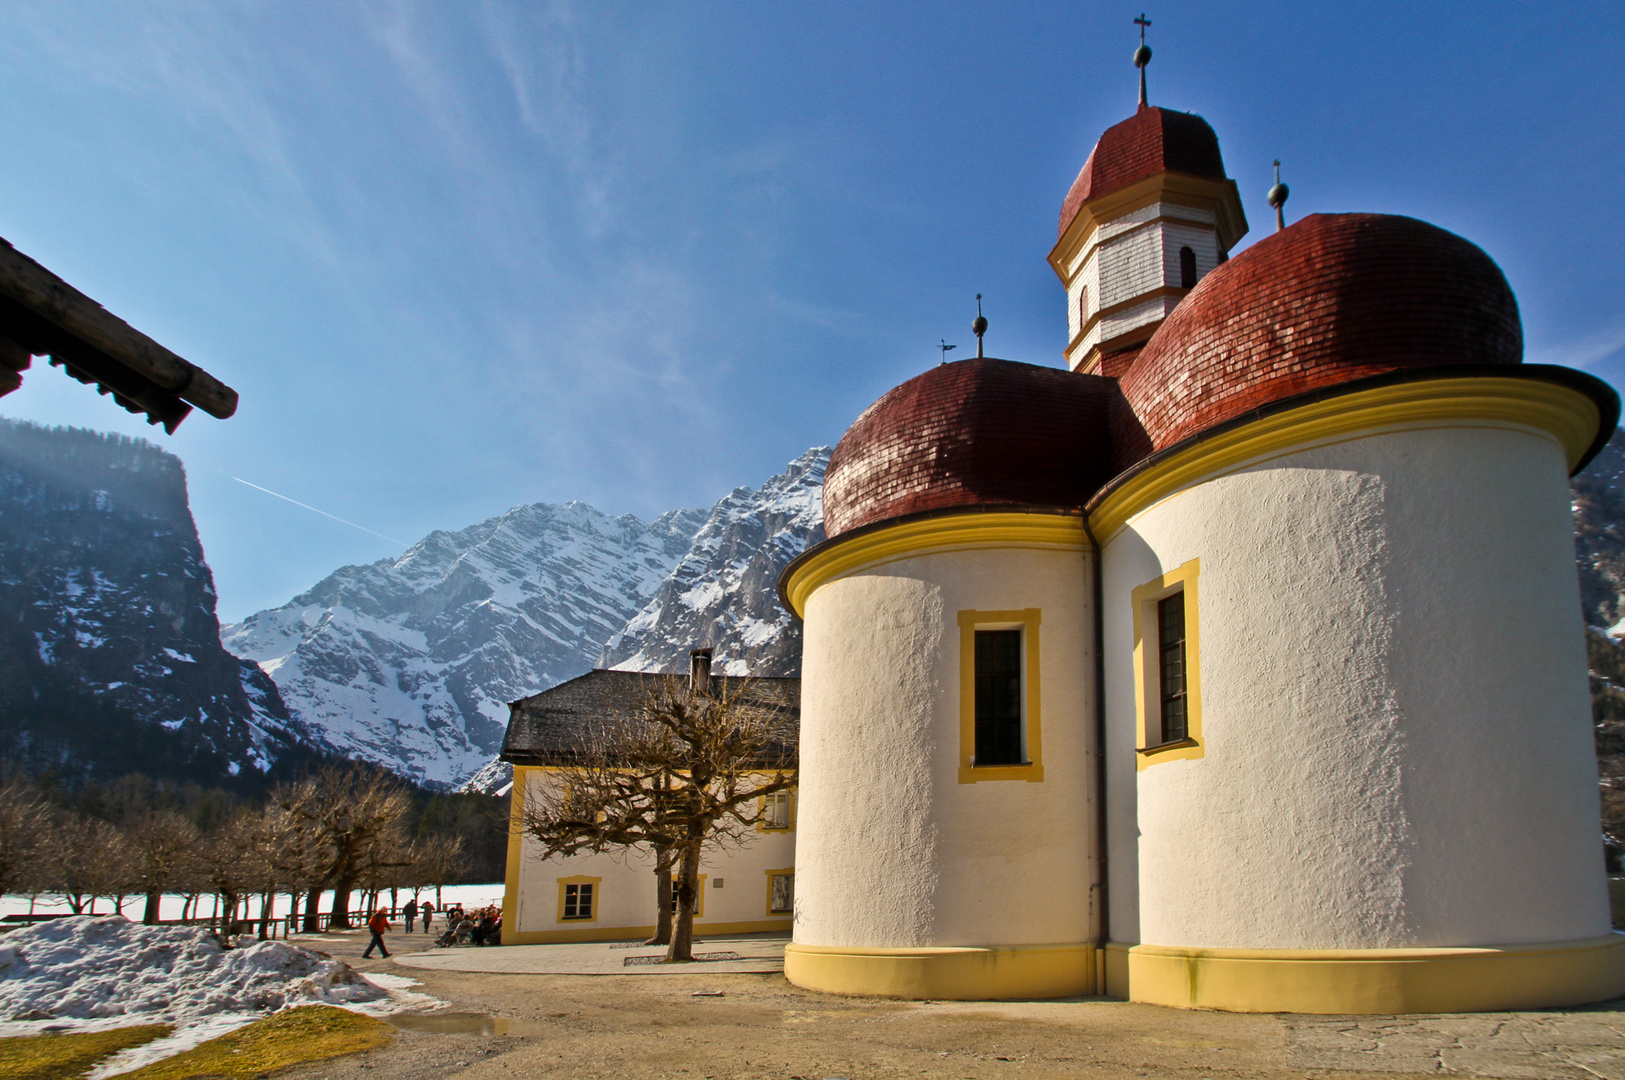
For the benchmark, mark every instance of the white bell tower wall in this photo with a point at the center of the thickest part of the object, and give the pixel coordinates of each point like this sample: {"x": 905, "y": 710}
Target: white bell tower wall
{"x": 911, "y": 862}
{"x": 1395, "y": 747}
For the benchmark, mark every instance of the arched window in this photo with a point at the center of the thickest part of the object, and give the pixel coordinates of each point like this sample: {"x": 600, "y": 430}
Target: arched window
{"x": 1083, "y": 307}
{"x": 1187, "y": 268}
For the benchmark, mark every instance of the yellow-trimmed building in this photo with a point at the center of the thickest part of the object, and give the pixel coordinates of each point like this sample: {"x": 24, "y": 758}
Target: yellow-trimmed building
{"x": 1238, "y": 664}
{"x": 744, "y": 889}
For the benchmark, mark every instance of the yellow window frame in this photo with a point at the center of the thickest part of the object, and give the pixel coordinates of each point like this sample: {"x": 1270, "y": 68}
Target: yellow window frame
{"x": 771, "y": 874}
{"x": 1147, "y": 677}
{"x": 597, "y": 898}
{"x": 789, "y": 812}
{"x": 1027, "y": 620}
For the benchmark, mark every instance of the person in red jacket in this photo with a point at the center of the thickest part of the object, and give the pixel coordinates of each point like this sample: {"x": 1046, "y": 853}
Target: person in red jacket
{"x": 377, "y": 924}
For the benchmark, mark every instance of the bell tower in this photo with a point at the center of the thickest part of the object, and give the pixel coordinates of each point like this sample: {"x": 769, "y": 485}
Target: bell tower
{"x": 1149, "y": 216}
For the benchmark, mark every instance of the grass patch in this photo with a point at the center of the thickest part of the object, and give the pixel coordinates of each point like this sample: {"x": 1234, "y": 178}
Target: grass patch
{"x": 308, "y": 1033}
{"x": 65, "y": 1055}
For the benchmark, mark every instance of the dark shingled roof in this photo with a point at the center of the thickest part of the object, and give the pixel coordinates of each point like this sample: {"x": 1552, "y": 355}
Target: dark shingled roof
{"x": 542, "y": 728}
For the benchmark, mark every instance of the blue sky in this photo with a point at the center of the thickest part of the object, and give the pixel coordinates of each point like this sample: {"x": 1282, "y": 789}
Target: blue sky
{"x": 462, "y": 255}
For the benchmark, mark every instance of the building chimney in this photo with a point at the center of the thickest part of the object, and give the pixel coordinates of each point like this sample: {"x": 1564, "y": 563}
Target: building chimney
{"x": 699, "y": 671}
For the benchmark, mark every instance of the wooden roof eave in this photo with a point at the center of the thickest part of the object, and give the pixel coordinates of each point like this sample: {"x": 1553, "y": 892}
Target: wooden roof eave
{"x": 42, "y": 315}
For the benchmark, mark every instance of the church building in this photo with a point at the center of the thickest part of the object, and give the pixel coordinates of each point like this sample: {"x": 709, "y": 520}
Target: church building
{"x": 1239, "y": 664}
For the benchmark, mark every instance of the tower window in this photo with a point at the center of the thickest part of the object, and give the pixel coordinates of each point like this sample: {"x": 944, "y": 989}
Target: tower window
{"x": 1187, "y": 268}
{"x": 998, "y": 697}
{"x": 1083, "y": 307}
{"x": 1171, "y": 665}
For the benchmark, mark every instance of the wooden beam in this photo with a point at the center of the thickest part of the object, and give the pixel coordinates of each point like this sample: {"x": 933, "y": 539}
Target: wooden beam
{"x": 30, "y": 285}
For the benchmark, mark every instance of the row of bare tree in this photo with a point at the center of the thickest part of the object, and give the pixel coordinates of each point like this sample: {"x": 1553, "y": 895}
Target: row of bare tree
{"x": 341, "y": 830}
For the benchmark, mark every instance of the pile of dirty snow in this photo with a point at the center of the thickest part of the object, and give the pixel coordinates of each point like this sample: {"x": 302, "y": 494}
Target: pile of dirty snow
{"x": 87, "y": 968}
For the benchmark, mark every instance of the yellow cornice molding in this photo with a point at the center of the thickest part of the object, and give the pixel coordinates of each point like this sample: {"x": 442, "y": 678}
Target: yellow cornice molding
{"x": 950, "y": 532}
{"x": 1199, "y": 191}
{"x": 1565, "y": 414}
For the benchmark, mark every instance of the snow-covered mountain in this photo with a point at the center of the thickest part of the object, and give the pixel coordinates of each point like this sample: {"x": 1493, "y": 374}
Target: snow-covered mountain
{"x": 110, "y": 657}
{"x": 724, "y": 592}
{"x": 410, "y": 662}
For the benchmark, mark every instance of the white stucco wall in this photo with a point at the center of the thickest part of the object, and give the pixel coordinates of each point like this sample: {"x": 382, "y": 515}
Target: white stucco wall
{"x": 1394, "y": 705}
{"x": 893, "y": 851}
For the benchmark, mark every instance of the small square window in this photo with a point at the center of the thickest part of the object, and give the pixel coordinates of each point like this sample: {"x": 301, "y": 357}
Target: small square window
{"x": 776, "y": 810}
{"x": 578, "y": 901}
{"x": 699, "y": 896}
{"x": 781, "y": 894}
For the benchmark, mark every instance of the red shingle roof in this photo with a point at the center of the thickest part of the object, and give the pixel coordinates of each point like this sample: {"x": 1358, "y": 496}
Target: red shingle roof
{"x": 973, "y": 433}
{"x": 1333, "y": 298}
{"x": 1151, "y": 141}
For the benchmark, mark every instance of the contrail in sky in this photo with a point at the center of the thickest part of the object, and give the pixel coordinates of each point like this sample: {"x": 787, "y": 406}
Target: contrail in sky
{"x": 324, "y": 513}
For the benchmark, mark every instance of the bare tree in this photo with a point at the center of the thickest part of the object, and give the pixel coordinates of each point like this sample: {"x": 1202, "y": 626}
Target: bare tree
{"x": 686, "y": 773}
{"x": 90, "y": 858}
{"x": 228, "y": 861}
{"x": 439, "y": 861}
{"x": 24, "y": 827}
{"x": 163, "y": 844}
{"x": 344, "y": 814}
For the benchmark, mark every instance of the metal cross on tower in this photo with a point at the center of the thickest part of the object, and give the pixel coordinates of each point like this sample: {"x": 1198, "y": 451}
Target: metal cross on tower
{"x": 1142, "y": 55}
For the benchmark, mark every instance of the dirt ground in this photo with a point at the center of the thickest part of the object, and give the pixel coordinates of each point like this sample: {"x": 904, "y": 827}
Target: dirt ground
{"x": 761, "y": 1026}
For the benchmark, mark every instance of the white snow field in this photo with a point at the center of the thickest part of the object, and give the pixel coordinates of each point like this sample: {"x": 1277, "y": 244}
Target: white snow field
{"x": 95, "y": 973}
{"x": 84, "y": 968}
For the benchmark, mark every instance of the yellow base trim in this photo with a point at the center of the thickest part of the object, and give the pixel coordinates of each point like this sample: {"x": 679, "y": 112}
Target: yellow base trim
{"x": 633, "y": 933}
{"x": 1370, "y": 981}
{"x": 958, "y": 532}
{"x": 995, "y": 973}
{"x": 1559, "y": 412}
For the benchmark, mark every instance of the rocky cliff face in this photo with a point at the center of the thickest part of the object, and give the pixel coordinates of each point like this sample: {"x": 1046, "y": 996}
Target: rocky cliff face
{"x": 110, "y": 655}
{"x": 724, "y": 591}
{"x": 410, "y": 662}
{"x": 1599, "y": 552}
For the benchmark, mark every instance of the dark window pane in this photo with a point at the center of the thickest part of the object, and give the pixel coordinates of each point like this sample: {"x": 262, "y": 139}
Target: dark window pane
{"x": 1171, "y": 665}
{"x": 998, "y": 697}
{"x": 1187, "y": 268}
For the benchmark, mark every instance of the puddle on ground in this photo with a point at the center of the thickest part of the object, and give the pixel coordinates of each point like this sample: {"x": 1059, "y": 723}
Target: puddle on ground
{"x": 463, "y": 1023}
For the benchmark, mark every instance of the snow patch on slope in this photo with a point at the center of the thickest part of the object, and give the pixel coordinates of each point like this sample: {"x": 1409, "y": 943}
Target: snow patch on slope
{"x": 724, "y": 592}
{"x": 410, "y": 662}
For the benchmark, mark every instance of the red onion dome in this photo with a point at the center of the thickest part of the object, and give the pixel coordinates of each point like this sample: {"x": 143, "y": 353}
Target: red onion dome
{"x": 1151, "y": 141}
{"x": 979, "y": 433}
{"x": 1332, "y": 298}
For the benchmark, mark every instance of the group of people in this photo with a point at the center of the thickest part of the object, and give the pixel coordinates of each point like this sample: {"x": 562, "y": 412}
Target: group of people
{"x": 482, "y": 926}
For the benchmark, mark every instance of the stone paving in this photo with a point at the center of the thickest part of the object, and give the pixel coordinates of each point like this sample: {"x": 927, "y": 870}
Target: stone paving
{"x": 1584, "y": 1044}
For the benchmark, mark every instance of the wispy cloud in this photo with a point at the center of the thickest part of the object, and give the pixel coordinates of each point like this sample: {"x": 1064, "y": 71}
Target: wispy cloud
{"x": 1587, "y": 351}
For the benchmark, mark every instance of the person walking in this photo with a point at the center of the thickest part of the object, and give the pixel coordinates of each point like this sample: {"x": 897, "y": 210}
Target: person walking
{"x": 428, "y": 914}
{"x": 410, "y": 911}
{"x": 378, "y": 924}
